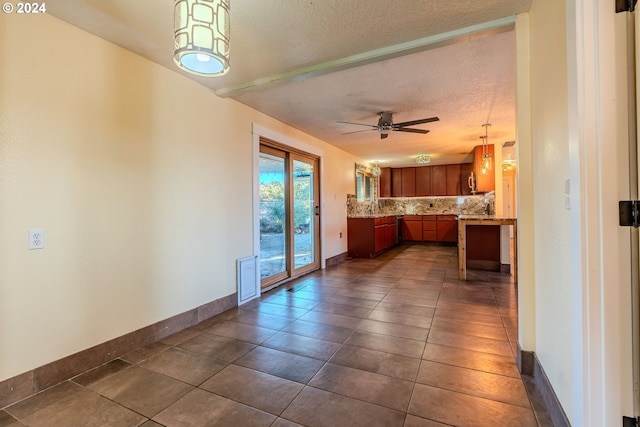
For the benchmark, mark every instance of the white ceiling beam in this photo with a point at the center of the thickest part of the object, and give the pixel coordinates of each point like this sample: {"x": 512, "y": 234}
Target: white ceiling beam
{"x": 472, "y": 32}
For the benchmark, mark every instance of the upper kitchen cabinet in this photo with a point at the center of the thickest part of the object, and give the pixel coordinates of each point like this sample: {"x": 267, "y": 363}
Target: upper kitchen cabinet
{"x": 465, "y": 176}
{"x": 408, "y": 182}
{"x": 396, "y": 182}
{"x": 385, "y": 182}
{"x": 453, "y": 180}
{"x": 439, "y": 180}
{"x": 485, "y": 179}
{"x": 423, "y": 181}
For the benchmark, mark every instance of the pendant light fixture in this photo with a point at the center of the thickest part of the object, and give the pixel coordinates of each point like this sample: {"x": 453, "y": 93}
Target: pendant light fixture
{"x": 485, "y": 166}
{"x": 375, "y": 171}
{"x": 202, "y": 36}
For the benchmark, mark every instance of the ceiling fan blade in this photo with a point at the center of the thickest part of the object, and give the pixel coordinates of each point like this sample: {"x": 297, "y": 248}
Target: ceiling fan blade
{"x": 416, "y": 122}
{"x": 357, "y": 131}
{"x": 359, "y": 124}
{"x": 411, "y": 130}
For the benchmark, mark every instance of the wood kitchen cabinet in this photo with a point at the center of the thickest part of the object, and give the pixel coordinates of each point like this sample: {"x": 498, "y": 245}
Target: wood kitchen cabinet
{"x": 485, "y": 182}
{"x": 453, "y": 180}
{"x": 465, "y": 174}
{"x": 367, "y": 237}
{"x": 429, "y": 228}
{"x": 408, "y": 182}
{"x": 446, "y": 228}
{"x": 396, "y": 182}
{"x": 412, "y": 228}
{"x": 385, "y": 182}
{"x": 439, "y": 180}
{"x": 423, "y": 181}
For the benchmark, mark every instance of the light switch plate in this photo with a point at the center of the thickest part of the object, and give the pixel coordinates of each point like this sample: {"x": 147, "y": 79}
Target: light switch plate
{"x": 36, "y": 239}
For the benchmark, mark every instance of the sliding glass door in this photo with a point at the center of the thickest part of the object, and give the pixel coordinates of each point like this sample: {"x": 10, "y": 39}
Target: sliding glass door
{"x": 289, "y": 214}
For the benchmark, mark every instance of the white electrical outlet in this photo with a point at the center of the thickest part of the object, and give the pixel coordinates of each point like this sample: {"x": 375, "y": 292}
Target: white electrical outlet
{"x": 36, "y": 239}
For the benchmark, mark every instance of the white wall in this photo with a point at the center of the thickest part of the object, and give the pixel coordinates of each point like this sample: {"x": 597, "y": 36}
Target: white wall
{"x": 549, "y": 117}
{"x": 141, "y": 180}
{"x": 574, "y": 291}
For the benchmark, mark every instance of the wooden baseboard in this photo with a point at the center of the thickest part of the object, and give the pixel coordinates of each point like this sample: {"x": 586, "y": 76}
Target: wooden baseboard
{"x": 29, "y": 383}
{"x": 476, "y": 264}
{"x": 529, "y": 364}
{"x": 336, "y": 259}
{"x": 525, "y": 361}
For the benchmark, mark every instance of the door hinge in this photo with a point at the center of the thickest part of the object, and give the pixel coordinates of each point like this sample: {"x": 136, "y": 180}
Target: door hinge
{"x": 630, "y": 422}
{"x": 629, "y": 213}
{"x": 625, "y": 5}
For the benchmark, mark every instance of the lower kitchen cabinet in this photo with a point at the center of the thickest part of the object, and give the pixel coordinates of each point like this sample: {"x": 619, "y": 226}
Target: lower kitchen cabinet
{"x": 447, "y": 228}
{"x": 412, "y": 228}
{"x": 367, "y": 237}
{"x": 430, "y": 228}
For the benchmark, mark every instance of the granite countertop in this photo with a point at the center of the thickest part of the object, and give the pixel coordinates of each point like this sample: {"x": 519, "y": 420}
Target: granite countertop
{"x": 373, "y": 216}
{"x": 487, "y": 217}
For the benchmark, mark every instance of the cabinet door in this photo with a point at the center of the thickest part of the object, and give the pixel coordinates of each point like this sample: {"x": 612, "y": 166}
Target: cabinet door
{"x": 360, "y": 237}
{"x": 380, "y": 233}
{"x": 465, "y": 174}
{"x": 392, "y": 236}
{"x": 439, "y": 180}
{"x": 412, "y": 230}
{"x": 423, "y": 181}
{"x": 447, "y": 232}
{"x": 447, "y": 228}
{"x": 408, "y": 182}
{"x": 453, "y": 180}
{"x": 385, "y": 182}
{"x": 396, "y": 182}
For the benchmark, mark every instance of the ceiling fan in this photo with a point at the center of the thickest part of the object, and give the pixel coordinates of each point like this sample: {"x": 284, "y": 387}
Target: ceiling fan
{"x": 385, "y": 125}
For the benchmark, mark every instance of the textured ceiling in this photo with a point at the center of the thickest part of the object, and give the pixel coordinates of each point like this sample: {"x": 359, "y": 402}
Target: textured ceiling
{"x": 312, "y": 63}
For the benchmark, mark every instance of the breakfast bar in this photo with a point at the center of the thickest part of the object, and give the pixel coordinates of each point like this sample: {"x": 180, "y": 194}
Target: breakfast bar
{"x": 464, "y": 221}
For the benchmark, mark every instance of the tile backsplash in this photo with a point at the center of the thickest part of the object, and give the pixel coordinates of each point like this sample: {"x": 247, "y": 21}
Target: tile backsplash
{"x": 441, "y": 205}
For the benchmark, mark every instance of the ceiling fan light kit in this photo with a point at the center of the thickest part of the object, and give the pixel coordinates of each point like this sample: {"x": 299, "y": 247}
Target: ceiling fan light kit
{"x": 385, "y": 125}
{"x": 423, "y": 159}
{"x": 201, "y": 36}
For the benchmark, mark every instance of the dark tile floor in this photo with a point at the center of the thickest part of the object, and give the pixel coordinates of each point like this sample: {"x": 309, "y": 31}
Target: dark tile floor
{"x": 393, "y": 341}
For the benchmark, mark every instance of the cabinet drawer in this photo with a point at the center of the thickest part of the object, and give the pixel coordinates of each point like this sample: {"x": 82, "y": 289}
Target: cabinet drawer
{"x": 447, "y": 217}
{"x": 379, "y": 221}
{"x": 429, "y": 217}
{"x": 412, "y": 218}
{"x": 429, "y": 225}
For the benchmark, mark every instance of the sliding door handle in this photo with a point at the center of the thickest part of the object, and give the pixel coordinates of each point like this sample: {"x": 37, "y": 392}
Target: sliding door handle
{"x": 317, "y": 210}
